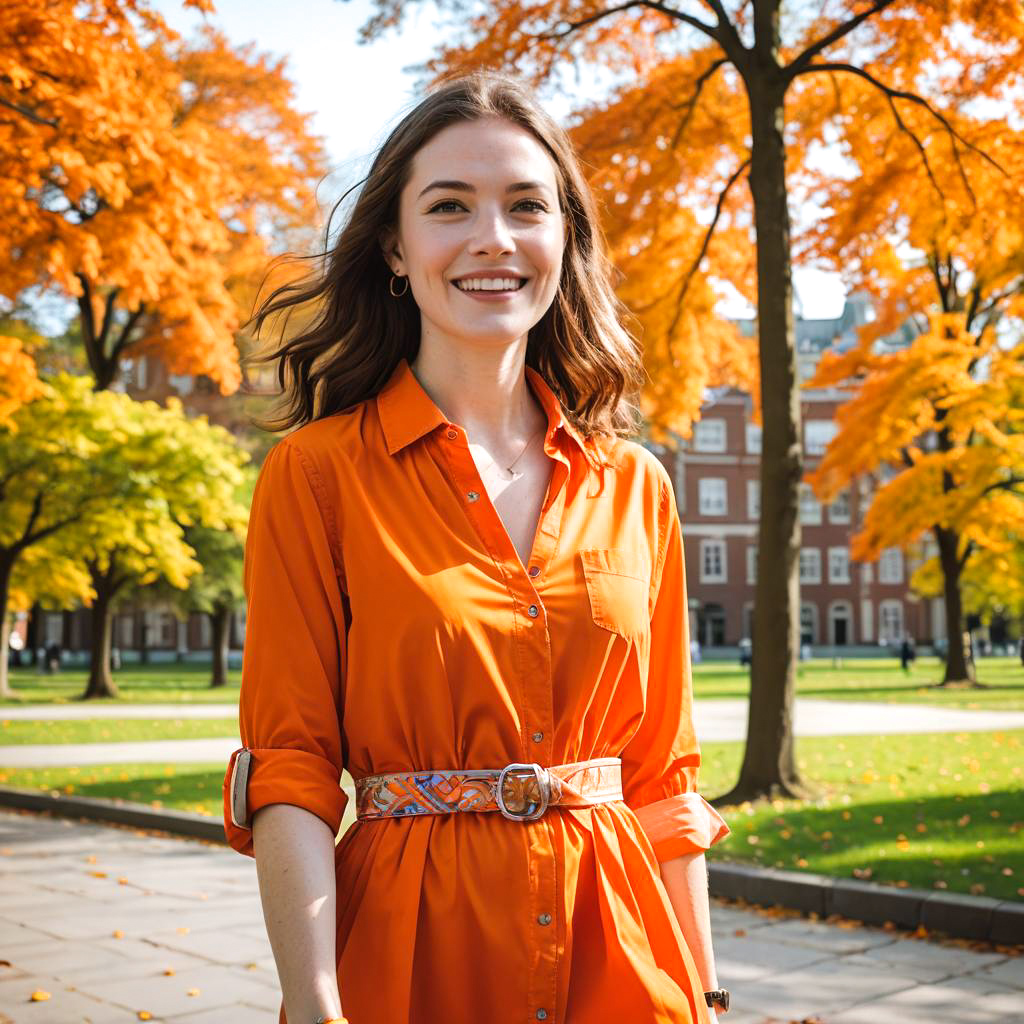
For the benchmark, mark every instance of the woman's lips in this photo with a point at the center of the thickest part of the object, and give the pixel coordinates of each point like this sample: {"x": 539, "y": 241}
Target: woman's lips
{"x": 492, "y": 296}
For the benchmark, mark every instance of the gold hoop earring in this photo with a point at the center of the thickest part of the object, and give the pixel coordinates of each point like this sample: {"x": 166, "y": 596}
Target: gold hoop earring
{"x": 391, "y": 285}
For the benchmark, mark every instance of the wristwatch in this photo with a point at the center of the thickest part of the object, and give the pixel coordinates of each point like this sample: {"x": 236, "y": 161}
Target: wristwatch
{"x": 718, "y": 995}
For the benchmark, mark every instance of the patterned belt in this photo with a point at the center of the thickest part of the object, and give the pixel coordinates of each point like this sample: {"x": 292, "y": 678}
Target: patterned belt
{"x": 522, "y": 792}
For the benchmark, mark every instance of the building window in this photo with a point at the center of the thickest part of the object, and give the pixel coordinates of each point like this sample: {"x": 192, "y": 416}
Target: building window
{"x": 753, "y": 499}
{"x": 890, "y": 566}
{"x": 867, "y": 572}
{"x": 890, "y": 622}
{"x": 867, "y": 620}
{"x": 126, "y": 631}
{"x": 709, "y": 436}
{"x": 810, "y": 565}
{"x": 751, "y": 563}
{"x": 712, "y": 561}
{"x": 53, "y": 629}
{"x": 205, "y": 631}
{"x": 754, "y": 438}
{"x": 808, "y": 623}
{"x": 711, "y": 496}
{"x": 810, "y": 507}
{"x": 817, "y": 434}
{"x": 838, "y": 565}
{"x": 839, "y": 510}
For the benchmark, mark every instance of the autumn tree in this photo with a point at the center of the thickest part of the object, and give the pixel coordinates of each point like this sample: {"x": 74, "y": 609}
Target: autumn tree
{"x": 936, "y": 236}
{"x": 711, "y": 97}
{"x": 146, "y": 177}
{"x": 100, "y": 489}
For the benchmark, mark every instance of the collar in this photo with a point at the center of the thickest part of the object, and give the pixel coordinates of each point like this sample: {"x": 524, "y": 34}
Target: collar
{"x": 407, "y": 412}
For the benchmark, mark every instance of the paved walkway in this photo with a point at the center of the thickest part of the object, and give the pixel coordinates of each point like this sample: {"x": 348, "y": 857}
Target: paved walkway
{"x": 111, "y": 922}
{"x": 717, "y": 720}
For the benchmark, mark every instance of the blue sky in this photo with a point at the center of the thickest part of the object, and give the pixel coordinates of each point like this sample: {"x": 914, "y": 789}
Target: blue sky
{"x": 356, "y": 93}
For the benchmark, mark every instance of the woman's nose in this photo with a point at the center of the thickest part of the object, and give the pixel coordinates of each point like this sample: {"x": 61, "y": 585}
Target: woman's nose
{"x": 492, "y": 232}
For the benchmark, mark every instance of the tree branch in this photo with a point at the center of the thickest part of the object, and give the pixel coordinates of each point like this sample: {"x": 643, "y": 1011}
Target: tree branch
{"x": 704, "y": 247}
{"x": 28, "y": 114}
{"x": 691, "y": 104}
{"x": 798, "y": 65}
{"x": 709, "y": 30}
{"x": 894, "y": 94}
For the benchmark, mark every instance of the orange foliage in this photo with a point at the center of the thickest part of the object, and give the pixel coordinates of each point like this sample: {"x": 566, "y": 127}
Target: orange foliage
{"x": 18, "y": 381}
{"x": 147, "y": 175}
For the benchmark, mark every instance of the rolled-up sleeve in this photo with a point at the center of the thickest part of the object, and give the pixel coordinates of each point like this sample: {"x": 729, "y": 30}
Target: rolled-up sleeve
{"x": 661, "y": 761}
{"x": 295, "y": 645}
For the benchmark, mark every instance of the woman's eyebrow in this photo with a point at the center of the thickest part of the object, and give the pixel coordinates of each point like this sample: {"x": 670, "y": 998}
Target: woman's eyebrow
{"x": 463, "y": 186}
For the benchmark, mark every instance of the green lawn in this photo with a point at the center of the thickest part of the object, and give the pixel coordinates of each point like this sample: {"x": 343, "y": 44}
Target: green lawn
{"x": 142, "y": 684}
{"x": 877, "y": 679}
{"x": 934, "y": 811}
{"x": 872, "y": 679}
{"x": 111, "y": 730}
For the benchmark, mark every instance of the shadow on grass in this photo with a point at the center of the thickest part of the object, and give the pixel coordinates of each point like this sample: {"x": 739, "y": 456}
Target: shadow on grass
{"x": 821, "y": 840}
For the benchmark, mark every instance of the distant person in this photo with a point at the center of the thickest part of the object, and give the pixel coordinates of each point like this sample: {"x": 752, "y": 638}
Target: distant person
{"x": 746, "y": 652}
{"x": 53, "y": 657}
{"x": 907, "y": 654}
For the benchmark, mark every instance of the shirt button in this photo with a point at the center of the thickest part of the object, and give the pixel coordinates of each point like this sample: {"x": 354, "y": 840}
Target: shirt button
{"x": 537, "y": 737}
{"x": 542, "y": 1014}
{"x": 544, "y": 919}
{"x": 472, "y": 495}
{"x": 534, "y": 570}
{"x": 452, "y": 434}
{"x": 533, "y": 611}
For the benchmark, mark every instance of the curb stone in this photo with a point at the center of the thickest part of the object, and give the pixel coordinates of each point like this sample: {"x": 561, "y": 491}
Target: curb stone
{"x": 956, "y": 915}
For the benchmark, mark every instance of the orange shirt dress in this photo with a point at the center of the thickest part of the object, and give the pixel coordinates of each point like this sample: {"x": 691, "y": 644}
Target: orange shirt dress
{"x": 389, "y": 628}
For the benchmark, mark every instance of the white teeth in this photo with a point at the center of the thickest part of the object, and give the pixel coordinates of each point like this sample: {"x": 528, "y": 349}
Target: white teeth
{"x": 489, "y": 284}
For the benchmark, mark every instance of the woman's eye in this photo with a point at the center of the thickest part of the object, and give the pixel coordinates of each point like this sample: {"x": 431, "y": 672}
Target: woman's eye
{"x": 538, "y": 207}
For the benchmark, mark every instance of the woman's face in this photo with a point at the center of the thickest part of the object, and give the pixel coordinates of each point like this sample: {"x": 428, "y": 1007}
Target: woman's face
{"x": 480, "y": 208}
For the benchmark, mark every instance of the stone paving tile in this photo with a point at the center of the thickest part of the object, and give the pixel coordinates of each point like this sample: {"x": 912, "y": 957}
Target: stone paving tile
{"x": 65, "y": 1005}
{"x": 1009, "y": 972}
{"x": 958, "y": 1001}
{"x": 202, "y": 988}
{"x": 822, "y": 936}
{"x": 820, "y": 989}
{"x": 240, "y": 1014}
{"x": 748, "y": 959}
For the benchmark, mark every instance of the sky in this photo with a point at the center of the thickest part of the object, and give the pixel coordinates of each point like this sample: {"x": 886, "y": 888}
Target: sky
{"x": 356, "y": 93}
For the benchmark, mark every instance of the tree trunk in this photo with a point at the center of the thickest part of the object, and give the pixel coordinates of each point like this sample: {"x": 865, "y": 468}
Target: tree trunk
{"x": 106, "y": 584}
{"x": 959, "y": 668}
{"x": 220, "y": 620}
{"x": 6, "y": 568}
{"x": 769, "y": 764}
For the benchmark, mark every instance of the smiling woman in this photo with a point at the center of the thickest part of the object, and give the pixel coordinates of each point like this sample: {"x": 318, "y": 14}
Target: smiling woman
{"x": 491, "y": 635}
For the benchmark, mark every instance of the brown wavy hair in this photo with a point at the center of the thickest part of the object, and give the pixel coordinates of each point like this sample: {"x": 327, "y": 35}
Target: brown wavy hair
{"x": 358, "y": 332}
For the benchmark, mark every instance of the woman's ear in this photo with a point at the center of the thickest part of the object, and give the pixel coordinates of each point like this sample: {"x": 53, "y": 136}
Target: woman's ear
{"x": 389, "y": 248}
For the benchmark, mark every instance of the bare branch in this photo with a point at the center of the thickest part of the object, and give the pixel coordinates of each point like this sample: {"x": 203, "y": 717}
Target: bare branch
{"x": 28, "y": 114}
{"x": 894, "y": 94}
{"x": 798, "y": 65}
{"x": 709, "y": 30}
{"x": 691, "y": 104}
{"x": 704, "y": 246}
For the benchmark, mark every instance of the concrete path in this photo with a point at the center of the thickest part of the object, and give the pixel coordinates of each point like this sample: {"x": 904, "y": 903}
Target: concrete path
{"x": 717, "y": 720}
{"x": 111, "y": 922}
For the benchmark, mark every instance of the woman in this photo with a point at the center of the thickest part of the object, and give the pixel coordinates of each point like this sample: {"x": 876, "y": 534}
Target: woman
{"x": 458, "y": 565}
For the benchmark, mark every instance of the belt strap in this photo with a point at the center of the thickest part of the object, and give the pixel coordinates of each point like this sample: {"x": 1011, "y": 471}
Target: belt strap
{"x": 522, "y": 792}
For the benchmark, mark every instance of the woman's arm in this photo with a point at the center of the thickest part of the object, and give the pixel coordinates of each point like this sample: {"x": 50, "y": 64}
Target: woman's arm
{"x": 294, "y": 852}
{"x": 686, "y": 880}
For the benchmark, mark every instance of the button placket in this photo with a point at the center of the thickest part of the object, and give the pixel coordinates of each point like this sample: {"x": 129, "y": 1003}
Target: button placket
{"x": 532, "y": 636}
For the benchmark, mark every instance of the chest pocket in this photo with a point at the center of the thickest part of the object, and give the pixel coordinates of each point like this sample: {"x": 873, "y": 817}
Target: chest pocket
{"x": 618, "y": 585}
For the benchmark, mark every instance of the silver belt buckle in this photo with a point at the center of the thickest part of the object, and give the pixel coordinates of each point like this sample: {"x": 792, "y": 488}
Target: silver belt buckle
{"x": 543, "y": 785}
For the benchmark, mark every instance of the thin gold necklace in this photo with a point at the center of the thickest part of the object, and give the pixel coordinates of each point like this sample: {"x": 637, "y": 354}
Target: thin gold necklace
{"x": 509, "y": 469}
